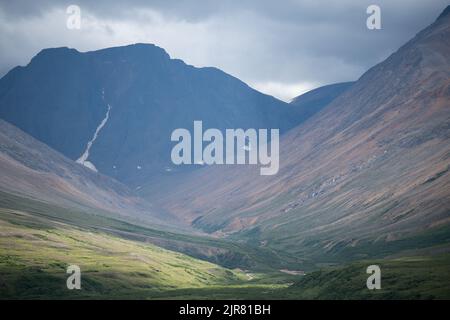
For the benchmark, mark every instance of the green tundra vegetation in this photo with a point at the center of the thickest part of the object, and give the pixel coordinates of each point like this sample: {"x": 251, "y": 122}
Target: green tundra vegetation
{"x": 34, "y": 259}
{"x": 37, "y": 246}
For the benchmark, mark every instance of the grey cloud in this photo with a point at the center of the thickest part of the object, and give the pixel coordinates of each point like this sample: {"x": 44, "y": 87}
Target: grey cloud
{"x": 285, "y": 42}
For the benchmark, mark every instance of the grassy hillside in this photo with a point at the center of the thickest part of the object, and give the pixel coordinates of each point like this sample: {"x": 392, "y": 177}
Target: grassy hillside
{"x": 226, "y": 253}
{"x": 422, "y": 277}
{"x": 35, "y": 253}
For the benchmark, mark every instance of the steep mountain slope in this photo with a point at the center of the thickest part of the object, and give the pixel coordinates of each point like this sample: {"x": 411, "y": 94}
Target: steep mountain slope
{"x": 368, "y": 175}
{"x": 306, "y": 105}
{"x": 29, "y": 168}
{"x": 115, "y": 109}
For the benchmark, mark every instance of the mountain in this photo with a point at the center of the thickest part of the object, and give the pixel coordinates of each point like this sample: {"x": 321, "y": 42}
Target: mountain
{"x": 367, "y": 176}
{"x": 114, "y": 110}
{"x": 311, "y": 102}
{"x": 31, "y": 170}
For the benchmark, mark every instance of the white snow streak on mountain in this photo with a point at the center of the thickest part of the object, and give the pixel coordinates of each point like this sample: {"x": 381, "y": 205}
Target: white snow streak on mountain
{"x": 84, "y": 157}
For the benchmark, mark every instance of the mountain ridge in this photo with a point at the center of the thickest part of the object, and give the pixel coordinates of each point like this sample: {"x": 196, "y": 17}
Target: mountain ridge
{"x": 62, "y": 95}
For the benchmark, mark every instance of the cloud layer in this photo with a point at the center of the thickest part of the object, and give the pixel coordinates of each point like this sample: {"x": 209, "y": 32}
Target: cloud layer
{"x": 282, "y": 48}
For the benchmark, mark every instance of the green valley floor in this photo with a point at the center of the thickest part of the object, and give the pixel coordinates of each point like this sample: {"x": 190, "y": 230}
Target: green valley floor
{"x": 35, "y": 251}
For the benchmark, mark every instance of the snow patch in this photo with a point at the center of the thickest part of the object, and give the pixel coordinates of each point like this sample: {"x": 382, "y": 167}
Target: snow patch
{"x": 89, "y": 165}
{"x": 84, "y": 157}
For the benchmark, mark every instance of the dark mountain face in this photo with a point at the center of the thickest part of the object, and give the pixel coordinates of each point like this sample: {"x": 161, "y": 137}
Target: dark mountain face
{"x": 305, "y": 106}
{"x": 126, "y": 101}
{"x": 311, "y": 102}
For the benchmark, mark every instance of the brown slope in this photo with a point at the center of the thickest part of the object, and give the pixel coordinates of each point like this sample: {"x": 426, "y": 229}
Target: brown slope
{"x": 30, "y": 169}
{"x": 373, "y": 165}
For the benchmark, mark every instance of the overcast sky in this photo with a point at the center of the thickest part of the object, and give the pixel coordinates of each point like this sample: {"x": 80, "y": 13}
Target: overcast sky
{"x": 283, "y": 48}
